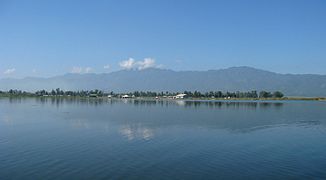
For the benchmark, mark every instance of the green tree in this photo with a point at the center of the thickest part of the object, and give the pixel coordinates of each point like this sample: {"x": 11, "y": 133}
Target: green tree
{"x": 265, "y": 94}
{"x": 278, "y": 94}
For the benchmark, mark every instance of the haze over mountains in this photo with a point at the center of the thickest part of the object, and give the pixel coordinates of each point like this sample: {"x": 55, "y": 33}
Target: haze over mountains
{"x": 152, "y": 79}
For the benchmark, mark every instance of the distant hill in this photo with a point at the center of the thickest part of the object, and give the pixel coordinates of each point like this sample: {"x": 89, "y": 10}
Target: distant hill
{"x": 231, "y": 79}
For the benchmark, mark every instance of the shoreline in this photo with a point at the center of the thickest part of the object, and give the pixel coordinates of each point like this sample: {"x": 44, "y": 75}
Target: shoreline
{"x": 170, "y": 99}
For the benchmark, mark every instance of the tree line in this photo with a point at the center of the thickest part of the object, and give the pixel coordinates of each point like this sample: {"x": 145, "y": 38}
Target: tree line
{"x": 191, "y": 94}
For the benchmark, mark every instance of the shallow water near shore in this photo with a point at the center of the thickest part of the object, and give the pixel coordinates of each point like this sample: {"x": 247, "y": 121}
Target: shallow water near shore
{"x": 49, "y": 138}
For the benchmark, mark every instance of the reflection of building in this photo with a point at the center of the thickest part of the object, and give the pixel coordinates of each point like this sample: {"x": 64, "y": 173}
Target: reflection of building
{"x": 180, "y": 96}
{"x": 180, "y": 103}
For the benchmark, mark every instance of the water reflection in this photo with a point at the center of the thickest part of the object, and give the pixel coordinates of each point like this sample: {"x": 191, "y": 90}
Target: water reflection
{"x": 80, "y": 124}
{"x": 136, "y": 132}
{"x": 150, "y": 102}
{"x": 7, "y": 120}
{"x": 140, "y": 118}
{"x": 90, "y": 138}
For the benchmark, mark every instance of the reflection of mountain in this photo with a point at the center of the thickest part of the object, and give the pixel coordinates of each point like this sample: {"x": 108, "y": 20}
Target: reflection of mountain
{"x": 231, "y": 79}
{"x": 141, "y": 118}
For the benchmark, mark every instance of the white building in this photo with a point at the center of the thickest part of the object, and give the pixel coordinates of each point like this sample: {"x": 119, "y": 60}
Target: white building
{"x": 180, "y": 96}
{"x": 125, "y": 96}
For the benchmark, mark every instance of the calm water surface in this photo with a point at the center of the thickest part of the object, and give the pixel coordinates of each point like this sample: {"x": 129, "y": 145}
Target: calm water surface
{"x": 136, "y": 139}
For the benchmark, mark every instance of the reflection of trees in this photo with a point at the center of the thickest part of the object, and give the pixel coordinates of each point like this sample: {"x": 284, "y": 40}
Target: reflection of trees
{"x": 232, "y": 104}
{"x": 210, "y": 104}
{"x": 57, "y": 101}
{"x": 71, "y": 101}
{"x": 140, "y": 118}
{"x": 16, "y": 99}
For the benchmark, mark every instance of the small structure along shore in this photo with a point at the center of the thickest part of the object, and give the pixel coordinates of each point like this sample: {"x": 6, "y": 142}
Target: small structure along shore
{"x": 125, "y": 96}
{"x": 180, "y": 96}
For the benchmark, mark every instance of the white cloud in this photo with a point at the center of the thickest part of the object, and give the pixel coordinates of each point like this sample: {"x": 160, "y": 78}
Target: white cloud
{"x": 107, "y": 67}
{"x": 81, "y": 70}
{"x": 140, "y": 65}
{"x": 9, "y": 71}
{"x": 128, "y": 64}
{"x": 147, "y": 63}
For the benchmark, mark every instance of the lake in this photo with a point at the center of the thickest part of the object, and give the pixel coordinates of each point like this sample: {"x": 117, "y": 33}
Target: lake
{"x": 44, "y": 138}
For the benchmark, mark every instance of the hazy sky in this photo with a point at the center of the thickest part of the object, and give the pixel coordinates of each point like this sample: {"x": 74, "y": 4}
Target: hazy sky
{"x": 46, "y": 38}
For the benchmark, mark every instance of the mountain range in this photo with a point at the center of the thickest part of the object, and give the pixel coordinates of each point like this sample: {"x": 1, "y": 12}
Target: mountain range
{"x": 153, "y": 79}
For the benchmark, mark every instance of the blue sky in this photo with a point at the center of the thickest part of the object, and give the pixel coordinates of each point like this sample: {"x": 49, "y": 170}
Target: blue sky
{"x": 47, "y": 38}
